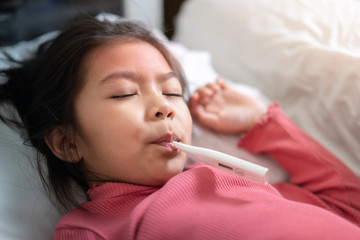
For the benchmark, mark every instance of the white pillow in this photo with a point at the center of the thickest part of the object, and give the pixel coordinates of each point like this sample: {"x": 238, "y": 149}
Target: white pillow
{"x": 303, "y": 53}
{"x": 25, "y": 211}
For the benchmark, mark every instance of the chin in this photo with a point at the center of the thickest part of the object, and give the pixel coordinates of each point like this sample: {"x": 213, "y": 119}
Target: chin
{"x": 166, "y": 177}
{"x": 164, "y": 172}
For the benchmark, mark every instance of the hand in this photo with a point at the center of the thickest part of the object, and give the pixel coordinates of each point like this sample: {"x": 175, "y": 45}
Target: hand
{"x": 221, "y": 108}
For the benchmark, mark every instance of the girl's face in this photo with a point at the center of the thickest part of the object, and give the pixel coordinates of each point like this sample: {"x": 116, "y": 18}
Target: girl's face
{"x": 128, "y": 111}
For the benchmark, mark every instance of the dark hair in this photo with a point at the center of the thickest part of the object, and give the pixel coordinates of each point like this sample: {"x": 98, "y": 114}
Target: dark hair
{"x": 43, "y": 90}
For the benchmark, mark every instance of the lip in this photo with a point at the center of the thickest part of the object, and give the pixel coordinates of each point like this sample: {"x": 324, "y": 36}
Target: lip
{"x": 166, "y": 141}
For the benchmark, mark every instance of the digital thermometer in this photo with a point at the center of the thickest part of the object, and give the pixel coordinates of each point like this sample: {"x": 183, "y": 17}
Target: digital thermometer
{"x": 228, "y": 163}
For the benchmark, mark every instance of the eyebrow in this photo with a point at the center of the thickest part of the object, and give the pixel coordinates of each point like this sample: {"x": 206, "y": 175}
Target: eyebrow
{"x": 134, "y": 76}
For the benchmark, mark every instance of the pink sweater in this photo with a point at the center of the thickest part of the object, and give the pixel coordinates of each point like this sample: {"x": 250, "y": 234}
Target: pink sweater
{"x": 206, "y": 203}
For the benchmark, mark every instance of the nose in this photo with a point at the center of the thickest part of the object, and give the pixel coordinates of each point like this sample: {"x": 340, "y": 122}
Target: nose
{"x": 161, "y": 109}
{"x": 164, "y": 113}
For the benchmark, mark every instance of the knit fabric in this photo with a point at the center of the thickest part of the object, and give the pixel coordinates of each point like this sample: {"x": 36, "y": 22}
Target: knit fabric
{"x": 206, "y": 203}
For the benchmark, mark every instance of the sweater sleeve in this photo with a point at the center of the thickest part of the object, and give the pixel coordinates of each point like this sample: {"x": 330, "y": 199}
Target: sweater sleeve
{"x": 316, "y": 176}
{"x": 75, "y": 233}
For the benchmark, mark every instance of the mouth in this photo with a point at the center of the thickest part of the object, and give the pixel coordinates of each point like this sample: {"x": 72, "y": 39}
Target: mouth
{"x": 166, "y": 141}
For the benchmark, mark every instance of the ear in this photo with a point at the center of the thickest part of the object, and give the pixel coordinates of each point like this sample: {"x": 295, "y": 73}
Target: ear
{"x": 62, "y": 145}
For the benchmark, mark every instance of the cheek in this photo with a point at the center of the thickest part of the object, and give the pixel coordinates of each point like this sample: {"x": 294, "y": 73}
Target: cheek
{"x": 119, "y": 127}
{"x": 129, "y": 127}
{"x": 110, "y": 141}
{"x": 103, "y": 127}
{"x": 185, "y": 120}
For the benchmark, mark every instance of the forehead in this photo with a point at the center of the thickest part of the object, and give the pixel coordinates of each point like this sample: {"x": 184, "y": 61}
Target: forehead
{"x": 118, "y": 48}
{"x": 124, "y": 55}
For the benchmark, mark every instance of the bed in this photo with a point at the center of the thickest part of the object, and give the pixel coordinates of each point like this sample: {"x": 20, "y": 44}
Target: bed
{"x": 304, "y": 54}
{"x": 301, "y": 53}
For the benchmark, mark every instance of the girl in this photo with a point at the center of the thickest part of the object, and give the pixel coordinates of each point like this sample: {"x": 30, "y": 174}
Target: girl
{"x": 102, "y": 105}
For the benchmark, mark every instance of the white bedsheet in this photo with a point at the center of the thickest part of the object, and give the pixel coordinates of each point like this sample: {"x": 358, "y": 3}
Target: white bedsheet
{"x": 303, "y": 53}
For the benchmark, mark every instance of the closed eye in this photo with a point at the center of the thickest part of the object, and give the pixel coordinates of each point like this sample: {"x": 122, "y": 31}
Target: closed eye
{"x": 123, "y": 96}
{"x": 173, "y": 94}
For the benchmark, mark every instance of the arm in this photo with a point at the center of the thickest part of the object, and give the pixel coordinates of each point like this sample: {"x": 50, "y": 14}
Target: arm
{"x": 317, "y": 177}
